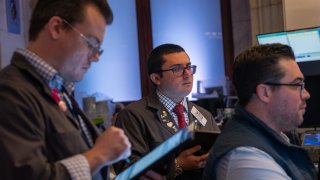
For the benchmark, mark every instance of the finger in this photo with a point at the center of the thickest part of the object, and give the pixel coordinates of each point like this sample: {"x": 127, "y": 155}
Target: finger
{"x": 203, "y": 164}
{"x": 153, "y": 175}
{"x": 204, "y": 157}
{"x": 193, "y": 149}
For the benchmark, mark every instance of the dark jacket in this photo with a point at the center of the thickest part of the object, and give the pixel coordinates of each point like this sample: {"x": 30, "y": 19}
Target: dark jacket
{"x": 244, "y": 129}
{"x": 34, "y": 133}
{"x": 146, "y": 123}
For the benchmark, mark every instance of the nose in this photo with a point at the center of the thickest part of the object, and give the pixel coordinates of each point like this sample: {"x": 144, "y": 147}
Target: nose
{"x": 94, "y": 58}
{"x": 306, "y": 95}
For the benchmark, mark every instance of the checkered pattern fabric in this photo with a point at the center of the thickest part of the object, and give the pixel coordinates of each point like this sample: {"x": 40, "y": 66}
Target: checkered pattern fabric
{"x": 169, "y": 105}
{"x": 49, "y": 74}
{"x": 77, "y": 165}
{"x": 81, "y": 123}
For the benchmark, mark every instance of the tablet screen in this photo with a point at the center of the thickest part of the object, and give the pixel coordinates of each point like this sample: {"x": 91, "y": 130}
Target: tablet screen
{"x": 158, "y": 153}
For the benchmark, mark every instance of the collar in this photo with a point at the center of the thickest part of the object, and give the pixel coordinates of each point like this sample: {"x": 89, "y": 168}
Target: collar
{"x": 169, "y": 104}
{"x": 46, "y": 71}
{"x": 260, "y": 124}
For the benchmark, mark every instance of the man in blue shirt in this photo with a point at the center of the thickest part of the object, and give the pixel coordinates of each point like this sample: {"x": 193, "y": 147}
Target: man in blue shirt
{"x": 272, "y": 100}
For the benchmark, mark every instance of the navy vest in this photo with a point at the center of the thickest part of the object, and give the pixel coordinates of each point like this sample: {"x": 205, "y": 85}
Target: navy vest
{"x": 244, "y": 129}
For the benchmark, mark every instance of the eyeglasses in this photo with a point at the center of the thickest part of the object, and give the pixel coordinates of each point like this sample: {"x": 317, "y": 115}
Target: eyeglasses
{"x": 92, "y": 42}
{"x": 180, "y": 70}
{"x": 301, "y": 84}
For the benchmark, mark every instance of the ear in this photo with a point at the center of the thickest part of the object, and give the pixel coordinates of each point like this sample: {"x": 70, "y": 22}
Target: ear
{"x": 264, "y": 92}
{"x": 155, "y": 78}
{"x": 55, "y": 26}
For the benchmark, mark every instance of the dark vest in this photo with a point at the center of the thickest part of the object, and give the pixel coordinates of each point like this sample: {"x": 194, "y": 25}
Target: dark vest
{"x": 244, "y": 129}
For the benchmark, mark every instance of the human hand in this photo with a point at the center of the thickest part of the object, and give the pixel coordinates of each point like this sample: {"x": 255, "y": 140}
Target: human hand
{"x": 188, "y": 161}
{"x": 112, "y": 146}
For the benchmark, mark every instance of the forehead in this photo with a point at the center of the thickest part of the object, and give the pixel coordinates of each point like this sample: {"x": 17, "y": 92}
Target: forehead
{"x": 291, "y": 70}
{"x": 176, "y": 59}
{"x": 94, "y": 23}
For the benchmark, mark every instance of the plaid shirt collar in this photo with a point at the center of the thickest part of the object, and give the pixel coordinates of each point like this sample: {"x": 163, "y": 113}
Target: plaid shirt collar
{"x": 169, "y": 104}
{"x": 46, "y": 71}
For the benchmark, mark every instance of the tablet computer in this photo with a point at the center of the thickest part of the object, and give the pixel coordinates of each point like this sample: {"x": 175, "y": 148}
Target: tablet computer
{"x": 205, "y": 139}
{"x": 163, "y": 151}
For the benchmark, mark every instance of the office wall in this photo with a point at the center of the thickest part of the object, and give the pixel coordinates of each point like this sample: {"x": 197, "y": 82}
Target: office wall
{"x": 196, "y": 26}
{"x": 117, "y": 75}
{"x": 17, "y": 38}
{"x": 301, "y": 14}
{"x": 252, "y": 17}
{"x": 266, "y": 17}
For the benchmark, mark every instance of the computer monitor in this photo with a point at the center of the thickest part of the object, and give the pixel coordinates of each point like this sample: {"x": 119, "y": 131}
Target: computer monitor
{"x": 311, "y": 142}
{"x": 305, "y": 44}
{"x": 311, "y": 139}
{"x": 312, "y": 114}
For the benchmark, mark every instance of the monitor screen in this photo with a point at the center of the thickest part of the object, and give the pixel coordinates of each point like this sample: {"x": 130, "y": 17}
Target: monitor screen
{"x": 311, "y": 139}
{"x": 278, "y": 37}
{"x": 305, "y": 44}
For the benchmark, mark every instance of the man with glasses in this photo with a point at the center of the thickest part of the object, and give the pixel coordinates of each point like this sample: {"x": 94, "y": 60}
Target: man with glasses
{"x": 272, "y": 100}
{"x": 153, "y": 119}
{"x": 43, "y": 133}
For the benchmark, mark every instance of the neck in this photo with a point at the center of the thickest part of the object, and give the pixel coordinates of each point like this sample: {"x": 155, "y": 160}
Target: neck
{"x": 45, "y": 50}
{"x": 261, "y": 112}
{"x": 173, "y": 98}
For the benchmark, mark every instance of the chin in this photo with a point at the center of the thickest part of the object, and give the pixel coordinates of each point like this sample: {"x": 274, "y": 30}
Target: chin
{"x": 78, "y": 78}
{"x": 185, "y": 93}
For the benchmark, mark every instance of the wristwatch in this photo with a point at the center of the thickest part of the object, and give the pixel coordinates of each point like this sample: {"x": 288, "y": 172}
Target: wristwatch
{"x": 179, "y": 169}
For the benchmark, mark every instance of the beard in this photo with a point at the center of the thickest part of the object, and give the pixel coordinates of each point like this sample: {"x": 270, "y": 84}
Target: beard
{"x": 285, "y": 119}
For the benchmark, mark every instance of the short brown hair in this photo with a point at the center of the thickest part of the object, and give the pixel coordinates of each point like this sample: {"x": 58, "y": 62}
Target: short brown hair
{"x": 70, "y": 10}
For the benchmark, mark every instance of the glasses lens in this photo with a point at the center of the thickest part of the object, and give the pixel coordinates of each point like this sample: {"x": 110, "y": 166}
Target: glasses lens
{"x": 100, "y": 52}
{"x": 94, "y": 46}
{"x": 178, "y": 71}
{"x": 193, "y": 69}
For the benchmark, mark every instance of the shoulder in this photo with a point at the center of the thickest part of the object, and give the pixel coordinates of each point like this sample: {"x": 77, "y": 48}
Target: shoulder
{"x": 137, "y": 104}
{"x": 138, "y": 112}
{"x": 20, "y": 74}
{"x": 247, "y": 162}
{"x": 136, "y": 107}
{"x": 147, "y": 103}
{"x": 14, "y": 84}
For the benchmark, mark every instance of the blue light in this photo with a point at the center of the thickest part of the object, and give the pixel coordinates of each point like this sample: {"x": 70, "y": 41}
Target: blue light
{"x": 196, "y": 26}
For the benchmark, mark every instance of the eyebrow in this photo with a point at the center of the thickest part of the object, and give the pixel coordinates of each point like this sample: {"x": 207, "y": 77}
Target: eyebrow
{"x": 94, "y": 37}
{"x": 175, "y": 65}
{"x": 299, "y": 79}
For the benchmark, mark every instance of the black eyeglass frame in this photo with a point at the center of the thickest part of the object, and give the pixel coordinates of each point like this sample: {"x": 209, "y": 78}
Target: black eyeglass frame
{"x": 94, "y": 48}
{"x": 181, "y": 70}
{"x": 301, "y": 84}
